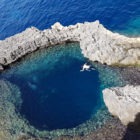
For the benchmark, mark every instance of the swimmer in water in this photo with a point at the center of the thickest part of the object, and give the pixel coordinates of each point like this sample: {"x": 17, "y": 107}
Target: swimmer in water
{"x": 86, "y": 67}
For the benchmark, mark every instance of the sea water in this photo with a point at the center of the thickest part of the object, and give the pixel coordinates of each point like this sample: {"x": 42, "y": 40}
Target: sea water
{"x": 120, "y": 15}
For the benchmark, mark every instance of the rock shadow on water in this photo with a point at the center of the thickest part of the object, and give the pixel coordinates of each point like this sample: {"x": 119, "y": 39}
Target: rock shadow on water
{"x": 133, "y": 129}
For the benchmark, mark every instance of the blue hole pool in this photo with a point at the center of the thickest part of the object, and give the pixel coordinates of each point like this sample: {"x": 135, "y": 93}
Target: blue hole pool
{"x": 63, "y": 99}
{"x": 55, "y": 93}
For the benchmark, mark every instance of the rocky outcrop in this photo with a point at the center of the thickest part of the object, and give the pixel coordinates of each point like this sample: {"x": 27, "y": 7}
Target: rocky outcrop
{"x": 123, "y": 102}
{"x": 97, "y": 43}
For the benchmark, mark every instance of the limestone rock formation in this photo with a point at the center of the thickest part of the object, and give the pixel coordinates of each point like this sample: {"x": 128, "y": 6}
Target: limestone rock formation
{"x": 123, "y": 102}
{"x": 97, "y": 43}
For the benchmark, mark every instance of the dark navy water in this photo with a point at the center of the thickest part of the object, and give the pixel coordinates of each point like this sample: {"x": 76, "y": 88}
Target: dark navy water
{"x": 16, "y": 16}
{"x": 63, "y": 99}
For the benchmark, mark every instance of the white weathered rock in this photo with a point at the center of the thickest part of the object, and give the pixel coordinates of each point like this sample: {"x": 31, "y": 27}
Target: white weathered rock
{"x": 123, "y": 102}
{"x": 97, "y": 43}
{"x": 57, "y": 26}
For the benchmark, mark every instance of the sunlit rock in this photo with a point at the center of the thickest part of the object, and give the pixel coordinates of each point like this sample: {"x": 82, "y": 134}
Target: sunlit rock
{"x": 97, "y": 43}
{"x": 123, "y": 102}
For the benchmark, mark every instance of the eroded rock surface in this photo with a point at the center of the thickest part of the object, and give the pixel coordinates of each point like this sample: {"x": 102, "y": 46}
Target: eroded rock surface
{"x": 123, "y": 102}
{"x": 97, "y": 43}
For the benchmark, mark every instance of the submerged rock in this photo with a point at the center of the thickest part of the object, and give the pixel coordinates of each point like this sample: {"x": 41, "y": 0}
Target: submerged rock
{"x": 97, "y": 43}
{"x": 123, "y": 102}
{"x": 11, "y": 123}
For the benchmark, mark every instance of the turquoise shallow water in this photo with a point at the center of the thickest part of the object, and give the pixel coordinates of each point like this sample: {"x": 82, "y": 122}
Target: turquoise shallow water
{"x": 55, "y": 94}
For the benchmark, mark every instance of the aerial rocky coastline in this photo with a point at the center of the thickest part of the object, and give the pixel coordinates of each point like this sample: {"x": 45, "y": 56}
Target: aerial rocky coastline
{"x": 97, "y": 44}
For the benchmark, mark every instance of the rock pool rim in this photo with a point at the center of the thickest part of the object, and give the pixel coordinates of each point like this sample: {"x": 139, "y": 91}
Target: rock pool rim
{"x": 33, "y": 39}
{"x": 20, "y": 59}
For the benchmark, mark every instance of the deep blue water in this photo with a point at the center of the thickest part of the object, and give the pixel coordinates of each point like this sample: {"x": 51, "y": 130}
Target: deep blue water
{"x": 119, "y": 15}
{"x": 55, "y": 93}
{"x": 63, "y": 99}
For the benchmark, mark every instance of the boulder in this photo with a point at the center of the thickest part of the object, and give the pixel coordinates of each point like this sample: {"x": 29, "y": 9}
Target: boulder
{"x": 123, "y": 102}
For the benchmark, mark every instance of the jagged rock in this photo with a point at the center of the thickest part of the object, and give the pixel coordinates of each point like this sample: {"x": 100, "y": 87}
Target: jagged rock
{"x": 97, "y": 43}
{"x": 57, "y": 26}
{"x": 123, "y": 102}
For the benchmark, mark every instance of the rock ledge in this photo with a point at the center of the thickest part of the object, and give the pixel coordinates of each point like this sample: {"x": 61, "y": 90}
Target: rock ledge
{"x": 123, "y": 102}
{"x": 97, "y": 43}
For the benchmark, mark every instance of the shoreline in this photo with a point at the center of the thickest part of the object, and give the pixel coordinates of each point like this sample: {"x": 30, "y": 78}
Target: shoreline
{"x": 96, "y": 42}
